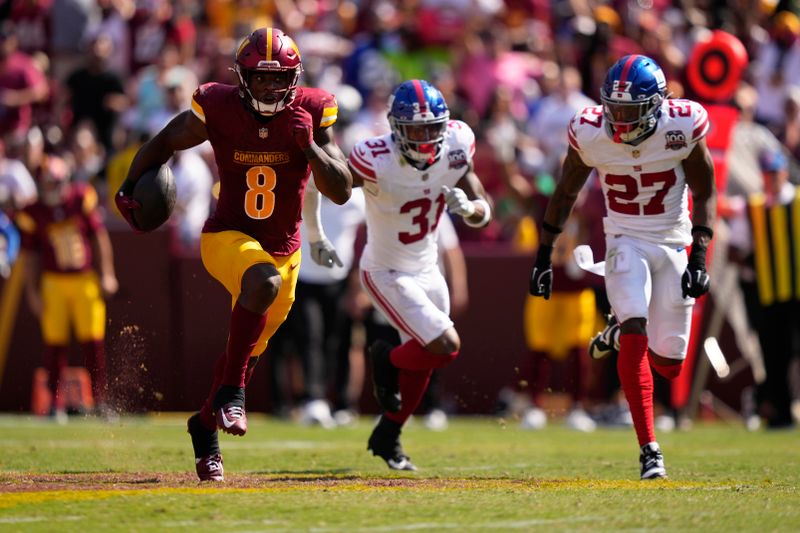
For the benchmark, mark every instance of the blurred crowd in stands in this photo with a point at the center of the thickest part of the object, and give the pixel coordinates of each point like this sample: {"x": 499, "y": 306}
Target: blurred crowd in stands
{"x": 97, "y": 78}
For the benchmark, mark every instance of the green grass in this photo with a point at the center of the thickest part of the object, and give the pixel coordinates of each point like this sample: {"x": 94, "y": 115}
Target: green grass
{"x": 480, "y": 474}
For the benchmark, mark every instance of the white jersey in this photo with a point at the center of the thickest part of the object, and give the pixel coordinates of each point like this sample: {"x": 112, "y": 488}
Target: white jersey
{"x": 644, "y": 185}
{"x": 404, "y": 204}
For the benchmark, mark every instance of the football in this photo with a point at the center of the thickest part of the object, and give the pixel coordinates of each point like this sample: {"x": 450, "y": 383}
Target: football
{"x": 155, "y": 191}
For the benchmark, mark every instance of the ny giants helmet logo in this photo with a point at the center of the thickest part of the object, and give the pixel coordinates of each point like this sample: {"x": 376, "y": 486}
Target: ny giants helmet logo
{"x": 457, "y": 159}
{"x": 675, "y": 140}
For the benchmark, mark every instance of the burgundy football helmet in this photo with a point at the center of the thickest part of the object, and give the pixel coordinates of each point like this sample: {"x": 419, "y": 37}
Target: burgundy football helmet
{"x": 268, "y": 66}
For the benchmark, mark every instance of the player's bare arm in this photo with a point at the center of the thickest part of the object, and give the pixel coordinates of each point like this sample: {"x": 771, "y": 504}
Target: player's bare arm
{"x": 699, "y": 170}
{"x": 574, "y": 174}
{"x": 183, "y": 132}
{"x": 329, "y": 165}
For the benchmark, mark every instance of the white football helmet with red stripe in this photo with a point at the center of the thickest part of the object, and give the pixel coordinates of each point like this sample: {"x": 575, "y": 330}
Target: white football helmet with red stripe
{"x": 631, "y": 95}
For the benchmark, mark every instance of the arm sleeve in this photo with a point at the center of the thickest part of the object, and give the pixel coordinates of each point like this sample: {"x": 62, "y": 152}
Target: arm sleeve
{"x": 311, "y": 212}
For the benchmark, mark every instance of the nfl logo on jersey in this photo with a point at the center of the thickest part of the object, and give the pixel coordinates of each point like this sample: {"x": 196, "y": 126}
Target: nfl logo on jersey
{"x": 675, "y": 140}
{"x": 263, "y": 133}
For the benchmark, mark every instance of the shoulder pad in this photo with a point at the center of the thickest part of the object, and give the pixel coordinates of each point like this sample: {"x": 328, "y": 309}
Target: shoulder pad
{"x": 585, "y": 124}
{"x": 361, "y": 160}
{"x": 89, "y": 203}
{"x": 692, "y": 117}
{"x": 462, "y": 136}
{"x": 319, "y": 103}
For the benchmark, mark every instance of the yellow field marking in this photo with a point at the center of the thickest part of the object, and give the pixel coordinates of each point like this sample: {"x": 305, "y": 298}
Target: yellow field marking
{"x": 313, "y": 484}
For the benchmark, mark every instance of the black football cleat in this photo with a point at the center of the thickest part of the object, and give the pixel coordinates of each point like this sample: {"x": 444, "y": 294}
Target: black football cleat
{"x": 606, "y": 342}
{"x": 385, "y": 386}
{"x": 207, "y": 459}
{"x": 385, "y": 443}
{"x": 652, "y": 462}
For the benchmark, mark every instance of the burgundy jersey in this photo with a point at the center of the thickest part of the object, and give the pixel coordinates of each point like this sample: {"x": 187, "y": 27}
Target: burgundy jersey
{"x": 263, "y": 173}
{"x": 61, "y": 235}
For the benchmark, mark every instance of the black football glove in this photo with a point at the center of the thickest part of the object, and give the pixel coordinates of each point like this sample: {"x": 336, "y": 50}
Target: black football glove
{"x": 542, "y": 274}
{"x": 695, "y": 281}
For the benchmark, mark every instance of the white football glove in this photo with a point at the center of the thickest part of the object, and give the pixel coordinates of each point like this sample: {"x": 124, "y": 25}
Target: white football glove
{"x": 457, "y": 202}
{"x": 324, "y": 254}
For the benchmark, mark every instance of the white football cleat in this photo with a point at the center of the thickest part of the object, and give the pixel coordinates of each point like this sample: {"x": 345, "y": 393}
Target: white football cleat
{"x": 533, "y": 418}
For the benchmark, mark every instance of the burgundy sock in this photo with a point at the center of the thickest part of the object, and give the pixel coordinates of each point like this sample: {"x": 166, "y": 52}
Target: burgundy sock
{"x": 540, "y": 375}
{"x": 94, "y": 357}
{"x": 413, "y": 356}
{"x": 576, "y": 361}
{"x": 668, "y": 371}
{"x": 412, "y": 386}
{"x": 55, "y": 361}
{"x": 637, "y": 382}
{"x": 251, "y": 366}
{"x": 246, "y": 327}
{"x": 207, "y": 411}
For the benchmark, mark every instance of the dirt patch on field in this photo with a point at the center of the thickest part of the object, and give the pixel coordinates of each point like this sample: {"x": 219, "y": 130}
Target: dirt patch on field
{"x": 20, "y": 482}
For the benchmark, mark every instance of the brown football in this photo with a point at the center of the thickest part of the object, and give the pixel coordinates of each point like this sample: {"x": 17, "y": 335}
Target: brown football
{"x": 155, "y": 191}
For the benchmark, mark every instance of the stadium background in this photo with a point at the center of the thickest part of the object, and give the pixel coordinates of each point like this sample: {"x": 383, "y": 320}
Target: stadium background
{"x": 496, "y": 62}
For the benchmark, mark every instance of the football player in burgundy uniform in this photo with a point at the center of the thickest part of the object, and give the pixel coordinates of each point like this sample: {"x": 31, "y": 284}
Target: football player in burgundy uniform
{"x": 409, "y": 177}
{"x": 268, "y": 134}
{"x": 63, "y": 289}
{"x": 649, "y": 152}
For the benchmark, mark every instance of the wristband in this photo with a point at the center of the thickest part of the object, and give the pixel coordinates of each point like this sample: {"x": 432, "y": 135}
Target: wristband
{"x": 703, "y": 229}
{"x": 552, "y": 229}
{"x": 487, "y": 214}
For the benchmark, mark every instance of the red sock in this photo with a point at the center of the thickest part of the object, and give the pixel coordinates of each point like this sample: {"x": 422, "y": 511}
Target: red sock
{"x": 94, "y": 357}
{"x": 668, "y": 371}
{"x": 55, "y": 361}
{"x": 412, "y": 386}
{"x": 413, "y": 356}
{"x": 207, "y": 411}
{"x": 637, "y": 382}
{"x": 246, "y": 327}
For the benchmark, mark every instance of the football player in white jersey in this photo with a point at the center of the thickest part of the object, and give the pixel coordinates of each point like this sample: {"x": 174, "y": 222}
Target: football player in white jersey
{"x": 648, "y": 151}
{"x": 409, "y": 177}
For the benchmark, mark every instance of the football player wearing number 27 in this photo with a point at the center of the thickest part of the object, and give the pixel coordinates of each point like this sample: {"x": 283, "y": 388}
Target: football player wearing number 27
{"x": 268, "y": 134}
{"x": 649, "y": 152}
{"x": 410, "y": 176}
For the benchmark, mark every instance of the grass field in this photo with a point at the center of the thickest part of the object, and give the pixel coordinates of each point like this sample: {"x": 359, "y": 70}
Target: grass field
{"x": 481, "y": 474}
